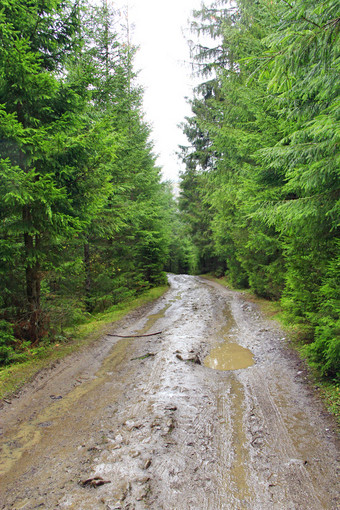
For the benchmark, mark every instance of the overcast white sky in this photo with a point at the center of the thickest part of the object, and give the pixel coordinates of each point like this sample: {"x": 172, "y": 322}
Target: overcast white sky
{"x": 158, "y": 30}
{"x": 165, "y": 73}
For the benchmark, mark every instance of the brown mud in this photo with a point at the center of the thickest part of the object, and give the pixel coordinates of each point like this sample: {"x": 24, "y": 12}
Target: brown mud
{"x": 213, "y": 413}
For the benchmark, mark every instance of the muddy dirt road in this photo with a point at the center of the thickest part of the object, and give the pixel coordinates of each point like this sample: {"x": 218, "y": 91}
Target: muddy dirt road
{"x": 169, "y": 427}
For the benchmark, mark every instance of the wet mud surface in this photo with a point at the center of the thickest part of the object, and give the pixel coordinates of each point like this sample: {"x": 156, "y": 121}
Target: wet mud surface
{"x": 214, "y": 412}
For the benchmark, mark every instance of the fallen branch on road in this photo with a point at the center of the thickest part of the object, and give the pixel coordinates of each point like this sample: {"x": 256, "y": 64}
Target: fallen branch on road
{"x": 148, "y": 355}
{"x": 136, "y": 336}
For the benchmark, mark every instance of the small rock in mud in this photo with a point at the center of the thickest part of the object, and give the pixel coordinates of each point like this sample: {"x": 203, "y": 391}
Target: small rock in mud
{"x": 141, "y": 494}
{"x": 134, "y": 454}
{"x": 130, "y": 425}
{"x": 147, "y": 464}
{"x": 195, "y": 359}
{"x": 96, "y": 481}
{"x": 116, "y": 446}
{"x": 119, "y": 439}
{"x": 171, "y": 408}
{"x": 170, "y": 425}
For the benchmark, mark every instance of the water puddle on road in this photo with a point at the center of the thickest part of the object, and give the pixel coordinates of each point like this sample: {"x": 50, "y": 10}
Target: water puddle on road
{"x": 229, "y": 355}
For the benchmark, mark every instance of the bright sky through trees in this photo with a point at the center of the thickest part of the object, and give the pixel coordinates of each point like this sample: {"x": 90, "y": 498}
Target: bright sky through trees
{"x": 160, "y": 29}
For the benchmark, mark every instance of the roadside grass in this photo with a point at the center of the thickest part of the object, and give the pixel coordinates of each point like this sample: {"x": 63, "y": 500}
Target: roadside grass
{"x": 329, "y": 389}
{"x": 14, "y": 376}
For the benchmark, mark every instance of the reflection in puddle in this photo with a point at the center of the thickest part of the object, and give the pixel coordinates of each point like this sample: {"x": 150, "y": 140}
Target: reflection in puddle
{"x": 229, "y": 356}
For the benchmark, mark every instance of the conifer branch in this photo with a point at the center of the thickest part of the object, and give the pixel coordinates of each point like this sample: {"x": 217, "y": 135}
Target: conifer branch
{"x": 303, "y": 17}
{"x": 333, "y": 22}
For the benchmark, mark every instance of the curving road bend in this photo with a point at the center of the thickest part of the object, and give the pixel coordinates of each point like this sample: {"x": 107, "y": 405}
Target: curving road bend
{"x": 212, "y": 413}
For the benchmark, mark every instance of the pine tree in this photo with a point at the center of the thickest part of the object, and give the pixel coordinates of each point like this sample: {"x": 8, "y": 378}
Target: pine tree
{"x": 301, "y": 68}
{"x": 270, "y": 118}
{"x": 35, "y": 103}
{"x": 126, "y": 245}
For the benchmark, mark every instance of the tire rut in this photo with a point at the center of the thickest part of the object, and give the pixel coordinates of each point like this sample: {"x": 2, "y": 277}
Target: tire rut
{"x": 167, "y": 432}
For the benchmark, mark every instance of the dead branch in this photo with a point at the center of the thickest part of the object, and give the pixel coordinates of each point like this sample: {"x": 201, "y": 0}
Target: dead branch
{"x": 136, "y": 336}
{"x": 147, "y": 355}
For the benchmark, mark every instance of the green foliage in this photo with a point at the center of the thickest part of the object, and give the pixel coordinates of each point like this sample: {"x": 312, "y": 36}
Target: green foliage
{"x": 263, "y": 157}
{"x": 325, "y": 349}
{"x": 82, "y": 216}
{"x": 7, "y": 342}
{"x": 182, "y": 255}
{"x": 10, "y": 350}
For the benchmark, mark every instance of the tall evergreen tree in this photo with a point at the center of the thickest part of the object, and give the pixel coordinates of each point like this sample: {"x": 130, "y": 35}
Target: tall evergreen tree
{"x": 128, "y": 239}
{"x": 36, "y": 106}
{"x": 82, "y": 215}
{"x": 270, "y": 118}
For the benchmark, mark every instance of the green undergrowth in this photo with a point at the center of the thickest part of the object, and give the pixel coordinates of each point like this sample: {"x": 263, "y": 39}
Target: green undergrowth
{"x": 328, "y": 388}
{"x": 14, "y": 376}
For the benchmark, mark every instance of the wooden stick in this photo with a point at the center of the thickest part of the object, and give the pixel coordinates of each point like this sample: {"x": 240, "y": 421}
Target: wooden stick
{"x": 147, "y": 355}
{"x": 135, "y": 336}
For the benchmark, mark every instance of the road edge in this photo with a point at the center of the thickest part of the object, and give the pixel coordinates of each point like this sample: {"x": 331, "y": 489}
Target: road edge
{"x": 14, "y": 377}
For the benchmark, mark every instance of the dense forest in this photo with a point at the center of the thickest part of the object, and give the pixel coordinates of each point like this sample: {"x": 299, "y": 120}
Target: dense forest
{"x": 83, "y": 212}
{"x": 85, "y": 220}
{"x": 260, "y": 189}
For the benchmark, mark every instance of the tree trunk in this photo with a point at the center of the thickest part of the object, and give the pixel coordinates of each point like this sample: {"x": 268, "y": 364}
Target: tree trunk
{"x": 87, "y": 277}
{"x": 33, "y": 277}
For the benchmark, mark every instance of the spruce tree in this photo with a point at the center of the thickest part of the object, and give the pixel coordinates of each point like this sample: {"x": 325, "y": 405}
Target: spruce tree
{"x": 35, "y": 103}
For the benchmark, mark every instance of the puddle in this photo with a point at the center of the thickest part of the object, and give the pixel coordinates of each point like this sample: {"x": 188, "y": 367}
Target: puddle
{"x": 229, "y": 355}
